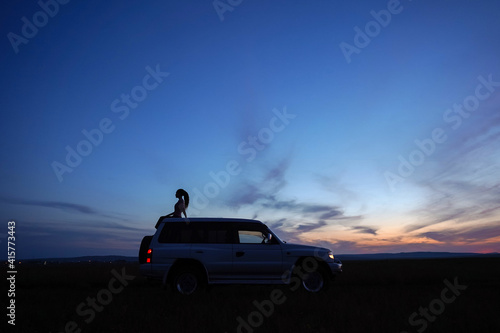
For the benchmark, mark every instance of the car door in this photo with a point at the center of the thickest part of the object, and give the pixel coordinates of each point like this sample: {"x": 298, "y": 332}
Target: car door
{"x": 211, "y": 244}
{"x": 174, "y": 242}
{"x": 253, "y": 259}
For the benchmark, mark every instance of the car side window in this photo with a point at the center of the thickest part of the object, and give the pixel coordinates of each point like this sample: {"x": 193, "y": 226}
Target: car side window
{"x": 211, "y": 233}
{"x": 251, "y": 233}
{"x": 251, "y": 237}
{"x": 217, "y": 236}
{"x": 174, "y": 233}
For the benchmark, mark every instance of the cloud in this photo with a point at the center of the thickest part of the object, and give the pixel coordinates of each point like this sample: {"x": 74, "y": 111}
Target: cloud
{"x": 313, "y": 211}
{"x": 324, "y": 211}
{"x": 60, "y": 205}
{"x": 343, "y": 246}
{"x": 251, "y": 191}
{"x": 461, "y": 176}
{"x": 340, "y": 247}
{"x": 247, "y": 194}
{"x": 264, "y": 195}
{"x": 66, "y": 206}
{"x": 331, "y": 213}
{"x": 114, "y": 225}
{"x": 277, "y": 174}
{"x": 439, "y": 236}
{"x": 303, "y": 228}
{"x": 279, "y": 223}
{"x": 457, "y": 201}
{"x": 289, "y": 232}
{"x": 61, "y": 239}
{"x": 335, "y": 186}
{"x": 364, "y": 230}
{"x": 470, "y": 235}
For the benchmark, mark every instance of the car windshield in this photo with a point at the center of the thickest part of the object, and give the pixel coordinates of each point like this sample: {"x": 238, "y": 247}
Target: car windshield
{"x": 275, "y": 236}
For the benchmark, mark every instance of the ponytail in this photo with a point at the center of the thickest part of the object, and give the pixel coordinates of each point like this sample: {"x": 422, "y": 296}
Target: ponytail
{"x": 186, "y": 197}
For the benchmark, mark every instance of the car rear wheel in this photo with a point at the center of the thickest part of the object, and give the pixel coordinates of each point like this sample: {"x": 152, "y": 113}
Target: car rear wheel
{"x": 187, "y": 281}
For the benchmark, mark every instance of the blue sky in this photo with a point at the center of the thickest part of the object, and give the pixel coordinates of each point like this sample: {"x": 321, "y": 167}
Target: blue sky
{"x": 364, "y": 126}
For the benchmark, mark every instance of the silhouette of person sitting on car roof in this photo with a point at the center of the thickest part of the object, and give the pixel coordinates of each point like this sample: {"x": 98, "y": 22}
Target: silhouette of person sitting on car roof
{"x": 179, "y": 208}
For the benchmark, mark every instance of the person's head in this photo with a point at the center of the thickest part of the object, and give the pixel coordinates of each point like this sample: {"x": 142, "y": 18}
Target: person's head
{"x": 181, "y": 193}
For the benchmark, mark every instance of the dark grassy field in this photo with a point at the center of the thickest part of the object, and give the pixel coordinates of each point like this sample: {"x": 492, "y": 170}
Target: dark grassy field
{"x": 370, "y": 296}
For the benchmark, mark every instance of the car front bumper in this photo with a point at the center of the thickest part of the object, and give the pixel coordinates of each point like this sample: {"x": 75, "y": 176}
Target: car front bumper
{"x": 335, "y": 267}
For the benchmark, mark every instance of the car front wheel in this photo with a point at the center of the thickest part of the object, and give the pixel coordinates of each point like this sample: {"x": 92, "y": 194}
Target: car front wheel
{"x": 314, "y": 281}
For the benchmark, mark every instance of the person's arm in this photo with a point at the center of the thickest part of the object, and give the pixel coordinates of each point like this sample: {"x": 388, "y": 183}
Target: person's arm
{"x": 184, "y": 210}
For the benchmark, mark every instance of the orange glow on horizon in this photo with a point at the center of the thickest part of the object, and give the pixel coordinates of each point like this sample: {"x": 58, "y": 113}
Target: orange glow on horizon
{"x": 391, "y": 241}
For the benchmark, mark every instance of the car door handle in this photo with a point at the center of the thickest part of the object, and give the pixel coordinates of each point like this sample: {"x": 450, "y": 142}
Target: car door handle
{"x": 199, "y": 251}
{"x": 240, "y": 253}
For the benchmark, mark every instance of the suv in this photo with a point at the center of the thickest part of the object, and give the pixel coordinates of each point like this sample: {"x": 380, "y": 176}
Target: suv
{"x": 190, "y": 253}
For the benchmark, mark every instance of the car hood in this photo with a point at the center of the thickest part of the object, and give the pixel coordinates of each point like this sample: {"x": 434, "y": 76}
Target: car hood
{"x": 304, "y": 250}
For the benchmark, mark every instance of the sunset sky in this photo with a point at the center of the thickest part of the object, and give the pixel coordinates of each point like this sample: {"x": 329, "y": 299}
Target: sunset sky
{"x": 362, "y": 126}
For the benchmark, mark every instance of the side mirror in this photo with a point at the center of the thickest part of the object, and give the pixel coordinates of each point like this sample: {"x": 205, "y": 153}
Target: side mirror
{"x": 269, "y": 236}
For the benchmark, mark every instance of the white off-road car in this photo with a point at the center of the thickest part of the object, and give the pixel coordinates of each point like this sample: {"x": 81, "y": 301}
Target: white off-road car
{"x": 191, "y": 253}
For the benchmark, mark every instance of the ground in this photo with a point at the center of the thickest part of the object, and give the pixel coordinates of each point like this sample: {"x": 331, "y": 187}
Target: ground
{"x": 439, "y": 295}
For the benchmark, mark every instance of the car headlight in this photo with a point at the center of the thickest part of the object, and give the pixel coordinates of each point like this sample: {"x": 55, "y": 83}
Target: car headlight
{"x": 330, "y": 254}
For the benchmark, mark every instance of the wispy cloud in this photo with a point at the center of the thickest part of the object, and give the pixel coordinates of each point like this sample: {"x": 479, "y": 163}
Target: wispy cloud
{"x": 335, "y": 186}
{"x": 77, "y": 238}
{"x": 462, "y": 178}
{"x": 302, "y": 228}
{"x": 66, "y": 206}
{"x": 364, "y": 230}
{"x": 458, "y": 202}
{"x": 62, "y": 206}
{"x": 299, "y": 218}
{"x": 469, "y": 235}
{"x": 323, "y": 212}
{"x": 252, "y": 190}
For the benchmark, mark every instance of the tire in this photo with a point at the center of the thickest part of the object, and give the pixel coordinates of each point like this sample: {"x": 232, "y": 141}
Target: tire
{"x": 187, "y": 280}
{"x": 143, "y": 250}
{"x": 315, "y": 281}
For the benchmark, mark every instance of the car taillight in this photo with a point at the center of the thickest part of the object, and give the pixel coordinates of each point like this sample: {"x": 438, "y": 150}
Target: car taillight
{"x": 149, "y": 256}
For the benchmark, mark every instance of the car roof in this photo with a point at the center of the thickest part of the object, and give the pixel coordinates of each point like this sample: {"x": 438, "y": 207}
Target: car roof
{"x": 210, "y": 219}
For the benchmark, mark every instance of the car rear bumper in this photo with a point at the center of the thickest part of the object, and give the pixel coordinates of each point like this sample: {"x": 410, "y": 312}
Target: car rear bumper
{"x": 145, "y": 269}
